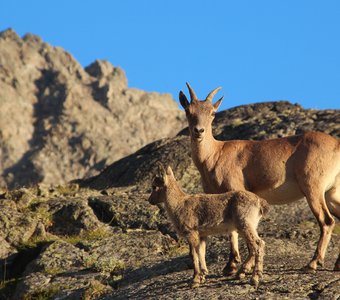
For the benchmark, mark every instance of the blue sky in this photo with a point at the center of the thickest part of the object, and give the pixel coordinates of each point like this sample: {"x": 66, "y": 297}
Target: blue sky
{"x": 256, "y": 50}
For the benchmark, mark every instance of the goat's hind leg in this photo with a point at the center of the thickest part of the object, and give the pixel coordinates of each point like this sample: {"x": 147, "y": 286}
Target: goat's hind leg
{"x": 333, "y": 204}
{"x": 234, "y": 256}
{"x": 249, "y": 262}
{"x": 256, "y": 252}
{"x": 317, "y": 203}
{"x": 258, "y": 268}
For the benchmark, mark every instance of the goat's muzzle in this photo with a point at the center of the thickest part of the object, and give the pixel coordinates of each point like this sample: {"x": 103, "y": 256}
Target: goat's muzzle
{"x": 198, "y": 133}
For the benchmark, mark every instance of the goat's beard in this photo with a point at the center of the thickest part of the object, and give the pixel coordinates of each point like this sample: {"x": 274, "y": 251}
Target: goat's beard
{"x": 197, "y": 137}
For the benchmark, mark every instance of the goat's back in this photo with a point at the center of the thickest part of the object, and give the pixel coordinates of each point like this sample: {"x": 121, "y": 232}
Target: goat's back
{"x": 224, "y": 211}
{"x": 202, "y": 211}
{"x": 245, "y": 207}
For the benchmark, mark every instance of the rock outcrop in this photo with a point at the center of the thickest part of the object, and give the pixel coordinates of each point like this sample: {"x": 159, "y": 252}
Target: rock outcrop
{"x": 256, "y": 121}
{"x": 59, "y": 121}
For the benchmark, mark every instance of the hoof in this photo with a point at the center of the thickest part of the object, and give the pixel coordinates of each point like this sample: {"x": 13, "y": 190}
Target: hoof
{"x": 337, "y": 264}
{"x": 229, "y": 271}
{"x": 309, "y": 269}
{"x": 255, "y": 281}
{"x": 241, "y": 275}
{"x": 195, "y": 285}
{"x": 320, "y": 263}
{"x": 205, "y": 272}
{"x": 202, "y": 279}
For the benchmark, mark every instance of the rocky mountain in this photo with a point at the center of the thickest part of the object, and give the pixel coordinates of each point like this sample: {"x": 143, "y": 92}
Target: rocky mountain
{"x": 98, "y": 237}
{"x": 59, "y": 121}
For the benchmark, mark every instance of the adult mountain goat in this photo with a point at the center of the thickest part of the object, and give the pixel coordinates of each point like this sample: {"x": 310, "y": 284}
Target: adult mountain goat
{"x": 280, "y": 170}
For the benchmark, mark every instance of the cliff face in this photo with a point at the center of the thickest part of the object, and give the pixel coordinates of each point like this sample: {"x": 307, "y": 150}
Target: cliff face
{"x": 59, "y": 121}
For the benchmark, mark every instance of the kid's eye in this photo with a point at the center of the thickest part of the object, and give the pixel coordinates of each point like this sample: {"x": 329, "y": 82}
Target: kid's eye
{"x": 213, "y": 114}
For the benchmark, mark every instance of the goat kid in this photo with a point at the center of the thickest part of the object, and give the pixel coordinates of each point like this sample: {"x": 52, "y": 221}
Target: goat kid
{"x": 195, "y": 217}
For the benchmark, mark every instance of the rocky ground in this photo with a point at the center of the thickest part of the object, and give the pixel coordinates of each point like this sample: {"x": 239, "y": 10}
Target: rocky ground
{"x": 72, "y": 243}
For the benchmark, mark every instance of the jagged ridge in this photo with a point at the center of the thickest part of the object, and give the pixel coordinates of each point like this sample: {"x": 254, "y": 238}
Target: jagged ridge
{"x": 59, "y": 121}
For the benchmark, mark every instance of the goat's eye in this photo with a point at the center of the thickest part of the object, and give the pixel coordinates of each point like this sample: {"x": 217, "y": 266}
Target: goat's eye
{"x": 213, "y": 114}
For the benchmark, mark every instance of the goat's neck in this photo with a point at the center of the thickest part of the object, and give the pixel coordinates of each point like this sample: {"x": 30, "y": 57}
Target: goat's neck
{"x": 205, "y": 149}
{"x": 173, "y": 197}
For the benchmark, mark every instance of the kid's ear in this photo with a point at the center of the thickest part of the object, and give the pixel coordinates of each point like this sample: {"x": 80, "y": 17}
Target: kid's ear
{"x": 217, "y": 104}
{"x": 159, "y": 181}
{"x": 183, "y": 100}
{"x": 161, "y": 171}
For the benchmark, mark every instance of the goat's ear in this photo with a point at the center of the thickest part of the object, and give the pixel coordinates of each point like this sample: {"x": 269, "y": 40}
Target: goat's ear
{"x": 169, "y": 171}
{"x": 161, "y": 170}
{"x": 183, "y": 100}
{"x": 218, "y": 103}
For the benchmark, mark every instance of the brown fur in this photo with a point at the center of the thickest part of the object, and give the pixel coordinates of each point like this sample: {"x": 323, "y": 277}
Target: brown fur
{"x": 280, "y": 170}
{"x": 196, "y": 217}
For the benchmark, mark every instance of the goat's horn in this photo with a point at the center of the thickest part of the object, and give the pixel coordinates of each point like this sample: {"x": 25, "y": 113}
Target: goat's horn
{"x": 192, "y": 93}
{"x": 212, "y": 94}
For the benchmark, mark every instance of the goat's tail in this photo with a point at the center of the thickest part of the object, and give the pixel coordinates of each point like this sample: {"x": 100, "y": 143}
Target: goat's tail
{"x": 264, "y": 206}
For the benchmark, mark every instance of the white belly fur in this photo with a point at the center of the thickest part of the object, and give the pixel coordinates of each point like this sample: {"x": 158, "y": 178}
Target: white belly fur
{"x": 286, "y": 193}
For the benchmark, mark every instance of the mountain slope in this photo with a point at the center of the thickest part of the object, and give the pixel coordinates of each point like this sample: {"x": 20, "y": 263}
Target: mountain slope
{"x": 59, "y": 121}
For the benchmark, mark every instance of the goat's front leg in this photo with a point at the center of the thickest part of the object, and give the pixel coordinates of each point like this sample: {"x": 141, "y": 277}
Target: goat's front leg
{"x": 194, "y": 242}
{"x": 234, "y": 257}
{"x": 201, "y": 256}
